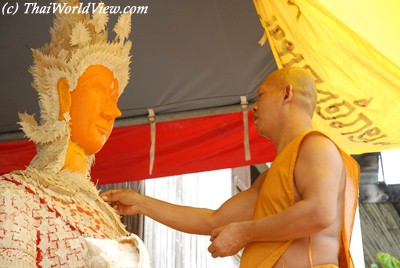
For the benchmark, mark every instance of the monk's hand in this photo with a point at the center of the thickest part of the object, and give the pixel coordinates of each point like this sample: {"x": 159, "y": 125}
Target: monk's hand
{"x": 125, "y": 201}
{"x": 228, "y": 240}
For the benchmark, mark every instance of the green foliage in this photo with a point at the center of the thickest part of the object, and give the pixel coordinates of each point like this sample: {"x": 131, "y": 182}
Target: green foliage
{"x": 386, "y": 260}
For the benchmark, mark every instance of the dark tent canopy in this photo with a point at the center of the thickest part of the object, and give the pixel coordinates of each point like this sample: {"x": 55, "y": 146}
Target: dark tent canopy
{"x": 192, "y": 60}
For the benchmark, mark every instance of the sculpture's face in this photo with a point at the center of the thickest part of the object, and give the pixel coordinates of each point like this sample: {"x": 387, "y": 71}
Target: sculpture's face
{"x": 94, "y": 108}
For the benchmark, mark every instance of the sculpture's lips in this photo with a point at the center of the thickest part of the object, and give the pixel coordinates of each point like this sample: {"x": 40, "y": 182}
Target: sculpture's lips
{"x": 102, "y": 130}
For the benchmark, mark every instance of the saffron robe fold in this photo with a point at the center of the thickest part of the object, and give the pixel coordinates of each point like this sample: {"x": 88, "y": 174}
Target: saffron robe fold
{"x": 277, "y": 194}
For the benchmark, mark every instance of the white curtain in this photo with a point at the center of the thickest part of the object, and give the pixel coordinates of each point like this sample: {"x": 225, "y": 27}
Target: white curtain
{"x": 172, "y": 249}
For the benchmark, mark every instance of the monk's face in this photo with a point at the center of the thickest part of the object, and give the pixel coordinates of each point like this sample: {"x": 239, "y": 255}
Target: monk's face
{"x": 266, "y": 108}
{"x": 94, "y": 108}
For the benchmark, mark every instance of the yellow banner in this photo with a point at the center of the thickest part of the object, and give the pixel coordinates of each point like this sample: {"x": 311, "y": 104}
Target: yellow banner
{"x": 358, "y": 86}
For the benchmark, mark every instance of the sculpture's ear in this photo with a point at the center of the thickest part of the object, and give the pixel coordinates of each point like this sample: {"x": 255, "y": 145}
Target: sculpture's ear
{"x": 64, "y": 97}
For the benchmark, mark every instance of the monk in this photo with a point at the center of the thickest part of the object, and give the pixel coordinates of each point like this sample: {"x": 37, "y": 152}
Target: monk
{"x": 299, "y": 213}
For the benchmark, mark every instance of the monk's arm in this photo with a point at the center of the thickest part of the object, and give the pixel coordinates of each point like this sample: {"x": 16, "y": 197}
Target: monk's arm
{"x": 319, "y": 181}
{"x": 184, "y": 218}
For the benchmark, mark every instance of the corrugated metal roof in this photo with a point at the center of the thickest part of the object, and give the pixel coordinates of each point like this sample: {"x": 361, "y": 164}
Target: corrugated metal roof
{"x": 380, "y": 227}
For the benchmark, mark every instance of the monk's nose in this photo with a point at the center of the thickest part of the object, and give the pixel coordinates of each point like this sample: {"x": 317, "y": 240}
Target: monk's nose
{"x": 255, "y": 107}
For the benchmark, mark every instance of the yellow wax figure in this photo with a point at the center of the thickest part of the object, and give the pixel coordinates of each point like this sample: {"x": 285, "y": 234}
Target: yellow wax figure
{"x": 93, "y": 109}
{"x": 51, "y": 214}
{"x": 299, "y": 213}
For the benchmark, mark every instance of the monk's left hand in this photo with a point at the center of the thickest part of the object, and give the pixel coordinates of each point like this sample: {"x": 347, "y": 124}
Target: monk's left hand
{"x": 228, "y": 240}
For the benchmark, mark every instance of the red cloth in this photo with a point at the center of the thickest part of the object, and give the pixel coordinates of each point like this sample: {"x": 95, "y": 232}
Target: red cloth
{"x": 182, "y": 146}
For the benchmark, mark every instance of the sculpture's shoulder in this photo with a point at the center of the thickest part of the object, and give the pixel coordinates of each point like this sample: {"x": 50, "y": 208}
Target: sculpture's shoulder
{"x": 30, "y": 227}
{"x": 17, "y": 224}
{"x": 7, "y": 180}
{"x": 16, "y": 194}
{"x": 21, "y": 208}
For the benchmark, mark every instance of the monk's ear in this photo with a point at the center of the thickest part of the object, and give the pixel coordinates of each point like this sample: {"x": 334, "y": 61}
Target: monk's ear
{"x": 64, "y": 97}
{"x": 288, "y": 93}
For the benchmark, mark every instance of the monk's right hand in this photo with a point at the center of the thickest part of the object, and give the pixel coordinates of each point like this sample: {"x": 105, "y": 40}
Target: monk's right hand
{"x": 125, "y": 201}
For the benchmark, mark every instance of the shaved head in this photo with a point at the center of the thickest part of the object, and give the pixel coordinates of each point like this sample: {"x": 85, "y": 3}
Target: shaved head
{"x": 302, "y": 82}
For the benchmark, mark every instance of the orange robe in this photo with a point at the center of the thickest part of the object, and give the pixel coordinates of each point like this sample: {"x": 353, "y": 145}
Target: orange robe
{"x": 277, "y": 195}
